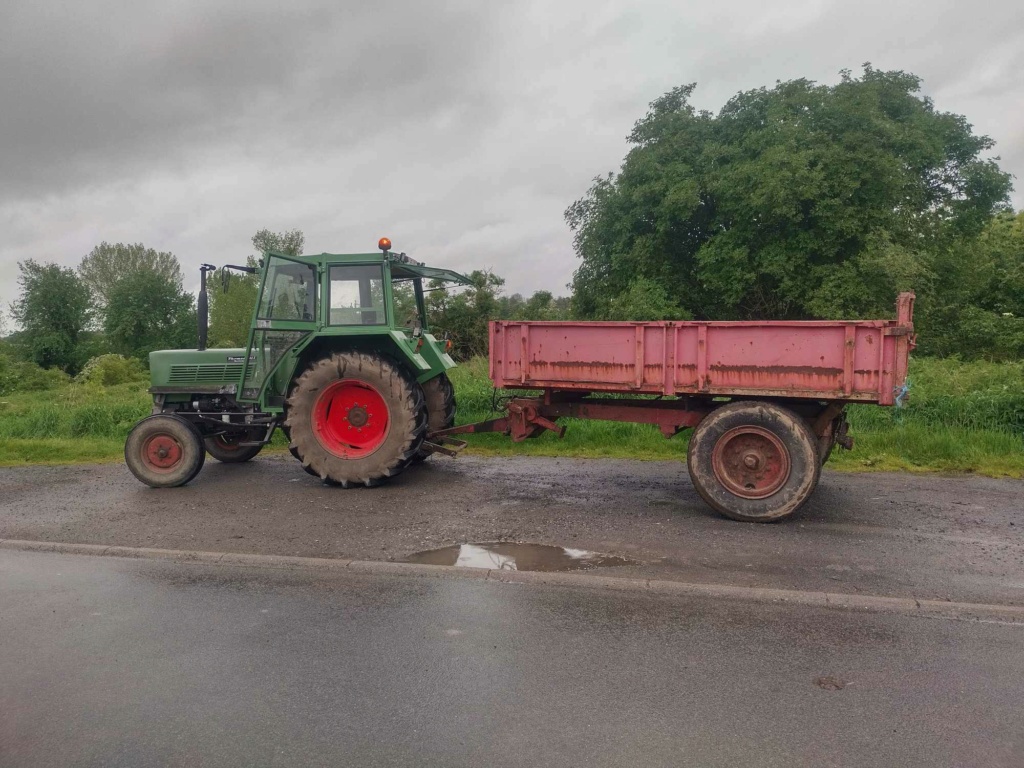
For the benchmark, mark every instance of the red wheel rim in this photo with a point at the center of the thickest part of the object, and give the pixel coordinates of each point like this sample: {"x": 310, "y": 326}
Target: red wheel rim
{"x": 226, "y": 443}
{"x": 751, "y": 462}
{"x": 350, "y": 419}
{"x": 161, "y": 452}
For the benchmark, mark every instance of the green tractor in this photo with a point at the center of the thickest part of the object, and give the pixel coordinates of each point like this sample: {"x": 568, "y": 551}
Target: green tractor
{"x": 354, "y": 387}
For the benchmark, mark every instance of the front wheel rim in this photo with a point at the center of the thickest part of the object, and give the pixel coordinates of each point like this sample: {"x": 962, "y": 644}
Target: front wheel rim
{"x": 162, "y": 453}
{"x": 751, "y": 462}
{"x": 350, "y": 419}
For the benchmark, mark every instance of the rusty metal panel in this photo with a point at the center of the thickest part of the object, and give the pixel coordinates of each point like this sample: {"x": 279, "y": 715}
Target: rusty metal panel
{"x": 863, "y": 361}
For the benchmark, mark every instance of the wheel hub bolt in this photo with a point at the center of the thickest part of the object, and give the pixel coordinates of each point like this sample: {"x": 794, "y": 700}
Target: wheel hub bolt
{"x": 750, "y": 461}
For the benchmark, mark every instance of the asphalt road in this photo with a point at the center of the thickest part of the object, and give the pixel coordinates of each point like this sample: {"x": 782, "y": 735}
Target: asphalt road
{"x": 955, "y": 538}
{"x": 114, "y": 662}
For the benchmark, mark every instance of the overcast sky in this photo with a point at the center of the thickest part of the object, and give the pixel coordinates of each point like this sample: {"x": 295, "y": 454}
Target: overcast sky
{"x": 460, "y": 130}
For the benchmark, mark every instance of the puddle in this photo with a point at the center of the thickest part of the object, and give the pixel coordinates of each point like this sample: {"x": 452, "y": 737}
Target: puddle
{"x": 508, "y": 556}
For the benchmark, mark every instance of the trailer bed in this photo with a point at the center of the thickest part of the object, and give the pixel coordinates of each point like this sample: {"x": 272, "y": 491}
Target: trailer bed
{"x": 844, "y": 360}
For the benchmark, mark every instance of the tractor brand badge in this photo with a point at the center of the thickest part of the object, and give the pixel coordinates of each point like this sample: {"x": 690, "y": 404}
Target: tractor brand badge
{"x": 240, "y": 359}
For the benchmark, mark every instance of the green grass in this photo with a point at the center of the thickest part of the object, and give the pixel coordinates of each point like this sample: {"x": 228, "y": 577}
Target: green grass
{"x": 75, "y": 423}
{"x": 961, "y": 417}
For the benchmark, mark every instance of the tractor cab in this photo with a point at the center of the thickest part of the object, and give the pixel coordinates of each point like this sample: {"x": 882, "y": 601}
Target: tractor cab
{"x": 310, "y": 304}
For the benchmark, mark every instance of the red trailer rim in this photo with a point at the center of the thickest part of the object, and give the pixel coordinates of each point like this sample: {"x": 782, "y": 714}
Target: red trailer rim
{"x": 751, "y": 462}
{"x": 350, "y": 419}
{"x": 161, "y": 452}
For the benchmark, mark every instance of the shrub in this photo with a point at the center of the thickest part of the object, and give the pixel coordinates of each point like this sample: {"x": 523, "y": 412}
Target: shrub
{"x": 111, "y": 370}
{"x": 23, "y": 376}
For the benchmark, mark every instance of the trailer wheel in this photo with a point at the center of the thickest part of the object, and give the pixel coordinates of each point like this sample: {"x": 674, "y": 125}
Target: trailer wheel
{"x": 356, "y": 419}
{"x": 164, "y": 451}
{"x": 440, "y": 396}
{"x": 226, "y": 448}
{"x": 754, "y": 461}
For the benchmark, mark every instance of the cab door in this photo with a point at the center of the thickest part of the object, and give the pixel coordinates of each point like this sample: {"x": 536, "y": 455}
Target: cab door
{"x": 285, "y": 315}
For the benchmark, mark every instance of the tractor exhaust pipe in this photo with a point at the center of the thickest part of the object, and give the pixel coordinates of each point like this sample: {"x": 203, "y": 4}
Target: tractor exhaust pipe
{"x": 203, "y": 307}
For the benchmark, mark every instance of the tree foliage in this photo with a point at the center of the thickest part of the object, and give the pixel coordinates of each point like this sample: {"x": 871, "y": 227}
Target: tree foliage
{"x": 463, "y": 313}
{"x": 290, "y": 242}
{"x": 802, "y": 200}
{"x": 231, "y": 309}
{"x": 147, "y": 311}
{"x": 977, "y": 301}
{"x": 109, "y": 263}
{"x": 542, "y": 305}
{"x": 53, "y": 310}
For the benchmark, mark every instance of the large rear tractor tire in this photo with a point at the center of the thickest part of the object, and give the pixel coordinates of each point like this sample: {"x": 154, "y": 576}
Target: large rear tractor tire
{"x": 754, "y": 461}
{"x": 355, "y": 419}
{"x": 440, "y": 397}
{"x": 295, "y": 453}
{"x": 226, "y": 449}
{"x": 164, "y": 451}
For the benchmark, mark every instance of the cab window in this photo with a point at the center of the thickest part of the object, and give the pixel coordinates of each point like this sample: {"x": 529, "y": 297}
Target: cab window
{"x": 357, "y": 295}
{"x": 289, "y": 292}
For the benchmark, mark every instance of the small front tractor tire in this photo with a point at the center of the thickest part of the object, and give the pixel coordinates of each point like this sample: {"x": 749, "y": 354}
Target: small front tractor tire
{"x": 355, "y": 419}
{"x": 164, "y": 451}
{"x": 754, "y": 461}
{"x": 226, "y": 449}
{"x": 440, "y": 397}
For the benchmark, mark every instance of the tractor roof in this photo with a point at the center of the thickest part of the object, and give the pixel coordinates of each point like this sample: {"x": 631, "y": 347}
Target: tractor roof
{"x": 431, "y": 273}
{"x": 401, "y": 267}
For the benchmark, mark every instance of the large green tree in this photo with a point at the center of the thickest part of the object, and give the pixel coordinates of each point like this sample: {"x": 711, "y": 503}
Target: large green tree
{"x": 109, "y": 263}
{"x": 232, "y": 298}
{"x": 53, "y": 310}
{"x": 147, "y": 311}
{"x": 801, "y": 200}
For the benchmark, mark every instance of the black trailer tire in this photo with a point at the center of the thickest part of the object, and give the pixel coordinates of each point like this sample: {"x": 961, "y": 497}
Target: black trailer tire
{"x": 164, "y": 451}
{"x": 225, "y": 448}
{"x": 754, "y": 461}
{"x": 355, "y": 419}
{"x": 440, "y": 396}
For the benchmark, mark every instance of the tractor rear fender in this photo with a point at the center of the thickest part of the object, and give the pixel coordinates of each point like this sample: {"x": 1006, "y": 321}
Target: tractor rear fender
{"x": 422, "y": 365}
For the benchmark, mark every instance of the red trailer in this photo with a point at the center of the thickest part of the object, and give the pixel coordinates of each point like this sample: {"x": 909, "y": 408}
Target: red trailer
{"x": 766, "y": 399}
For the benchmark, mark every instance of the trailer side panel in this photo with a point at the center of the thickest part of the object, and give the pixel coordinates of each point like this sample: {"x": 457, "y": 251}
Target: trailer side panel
{"x": 857, "y": 361}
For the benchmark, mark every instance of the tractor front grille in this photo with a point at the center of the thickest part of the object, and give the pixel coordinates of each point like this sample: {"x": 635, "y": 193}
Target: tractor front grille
{"x": 205, "y": 374}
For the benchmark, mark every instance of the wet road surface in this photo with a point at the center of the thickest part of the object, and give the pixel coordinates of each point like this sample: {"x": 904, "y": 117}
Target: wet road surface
{"x": 118, "y": 662}
{"x": 945, "y": 538}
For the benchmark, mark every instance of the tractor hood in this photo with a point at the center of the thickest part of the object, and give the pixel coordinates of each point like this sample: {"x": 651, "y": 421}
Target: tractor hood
{"x": 195, "y": 370}
{"x": 401, "y": 271}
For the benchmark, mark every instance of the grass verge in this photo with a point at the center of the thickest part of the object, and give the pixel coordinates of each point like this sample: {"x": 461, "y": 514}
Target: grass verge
{"x": 962, "y": 417}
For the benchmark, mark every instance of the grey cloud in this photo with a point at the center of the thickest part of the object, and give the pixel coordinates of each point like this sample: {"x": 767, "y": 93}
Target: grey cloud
{"x": 461, "y": 130}
{"x": 104, "y": 92}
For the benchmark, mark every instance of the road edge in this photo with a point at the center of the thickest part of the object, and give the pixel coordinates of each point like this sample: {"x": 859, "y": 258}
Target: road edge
{"x": 983, "y": 612}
